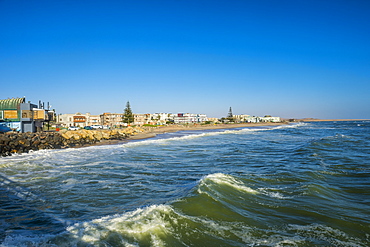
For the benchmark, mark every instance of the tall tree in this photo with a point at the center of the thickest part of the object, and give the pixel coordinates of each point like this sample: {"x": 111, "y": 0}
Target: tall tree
{"x": 230, "y": 116}
{"x": 128, "y": 116}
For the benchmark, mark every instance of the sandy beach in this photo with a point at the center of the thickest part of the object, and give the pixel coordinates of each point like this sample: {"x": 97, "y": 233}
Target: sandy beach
{"x": 152, "y": 132}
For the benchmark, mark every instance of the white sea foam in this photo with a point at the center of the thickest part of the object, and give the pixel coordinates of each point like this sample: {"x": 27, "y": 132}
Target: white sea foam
{"x": 190, "y": 136}
{"x": 325, "y": 233}
{"x": 141, "y": 225}
{"x": 293, "y": 125}
{"x": 274, "y": 193}
{"x": 228, "y": 180}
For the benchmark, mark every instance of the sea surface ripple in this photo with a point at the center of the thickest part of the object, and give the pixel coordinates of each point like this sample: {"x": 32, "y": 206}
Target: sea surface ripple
{"x": 302, "y": 184}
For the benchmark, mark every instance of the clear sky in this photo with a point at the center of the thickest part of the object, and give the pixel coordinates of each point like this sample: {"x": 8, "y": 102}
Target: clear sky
{"x": 287, "y": 58}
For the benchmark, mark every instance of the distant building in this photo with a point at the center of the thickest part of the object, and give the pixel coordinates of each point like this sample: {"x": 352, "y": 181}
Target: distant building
{"x": 113, "y": 120}
{"x": 241, "y": 118}
{"x": 141, "y": 119}
{"x": 187, "y": 118}
{"x": 93, "y": 119}
{"x": 213, "y": 120}
{"x": 77, "y": 119}
{"x": 253, "y": 119}
{"x": 270, "y": 119}
{"x": 160, "y": 118}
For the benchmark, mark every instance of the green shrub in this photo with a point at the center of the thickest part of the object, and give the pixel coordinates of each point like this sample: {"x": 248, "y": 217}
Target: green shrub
{"x": 149, "y": 125}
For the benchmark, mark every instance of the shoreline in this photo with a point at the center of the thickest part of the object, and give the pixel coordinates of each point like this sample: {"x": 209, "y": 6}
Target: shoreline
{"x": 154, "y": 131}
{"x": 11, "y": 143}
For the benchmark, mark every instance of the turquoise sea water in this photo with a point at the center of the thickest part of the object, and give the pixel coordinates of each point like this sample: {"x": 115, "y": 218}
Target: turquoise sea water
{"x": 304, "y": 184}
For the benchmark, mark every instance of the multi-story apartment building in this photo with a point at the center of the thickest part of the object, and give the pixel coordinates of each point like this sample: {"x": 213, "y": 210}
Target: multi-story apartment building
{"x": 93, "y": 120}
{"x": 141, "y": 119}
{"x": 113, "y": 120}
{"x": 76, "y": 119}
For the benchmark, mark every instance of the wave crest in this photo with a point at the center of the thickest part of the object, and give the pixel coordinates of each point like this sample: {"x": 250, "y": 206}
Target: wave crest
{"x": 221, "y": 179}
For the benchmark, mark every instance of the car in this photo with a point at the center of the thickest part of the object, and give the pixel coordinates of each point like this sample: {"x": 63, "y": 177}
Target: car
{"x": 73, "y": 128}
{"x": 4, "y": 128}
{"x": 96, "y": 126}
{"x": 88, "y": 128}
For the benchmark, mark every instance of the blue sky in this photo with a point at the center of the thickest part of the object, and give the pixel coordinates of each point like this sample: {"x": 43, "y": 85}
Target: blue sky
{"x": 285, "y": 58}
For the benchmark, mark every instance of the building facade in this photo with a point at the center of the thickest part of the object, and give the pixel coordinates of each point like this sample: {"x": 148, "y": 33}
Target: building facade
{"x": 253, "y": 119}
{"x": 68, "y": 120}
{"x": 93, "y": 119}
{"x": 141, "y": 119}
{"x": 113, "y": 120}
{"x": 78, "y": 119}
{"x": 22, "y": 116}
{"x": 270, "y": 119}
{"x": 188, "y": 118}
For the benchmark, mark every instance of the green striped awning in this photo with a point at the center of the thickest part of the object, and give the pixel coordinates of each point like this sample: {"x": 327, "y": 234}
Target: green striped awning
{"x": 11, "y": 104}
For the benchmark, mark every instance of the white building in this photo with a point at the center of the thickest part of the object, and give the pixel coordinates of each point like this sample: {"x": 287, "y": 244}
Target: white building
{"x": 77, "y": 119}
{"x": 159, "y": 118}
{"x": 270, "y": 119}
{"x": 187, "y": 118}
{"x": 242, "y": 118}
{"x": 93, "y": 119}
{"x": 250, "y": 119}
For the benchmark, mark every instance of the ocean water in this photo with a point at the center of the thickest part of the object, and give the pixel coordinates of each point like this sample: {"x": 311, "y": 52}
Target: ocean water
{"x": 303, "y": 184}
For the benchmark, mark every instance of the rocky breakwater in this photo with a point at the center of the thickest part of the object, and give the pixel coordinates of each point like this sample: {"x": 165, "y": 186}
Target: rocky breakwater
{"x": 11, "y": 143}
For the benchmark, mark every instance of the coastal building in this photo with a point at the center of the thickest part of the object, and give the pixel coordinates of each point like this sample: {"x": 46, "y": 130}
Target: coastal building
{"x": 187, "y": 118}
{"x": 113, "y": 120}
{"x": 241, "y": 118}
{"x": 77, "y": 119}
{"x": 269, "y": 119}
{"x": 22, "y": 116}
{"x": 160, "y": 118}
{"x": 253, "y": 119}
{"x": 141, "y": 119}
{"x": 213, "y": 120}
{"x": 93, "y": 119}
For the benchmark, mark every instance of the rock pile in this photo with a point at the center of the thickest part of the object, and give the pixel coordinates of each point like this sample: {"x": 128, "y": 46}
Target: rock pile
{"x": 11, "y": 143}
